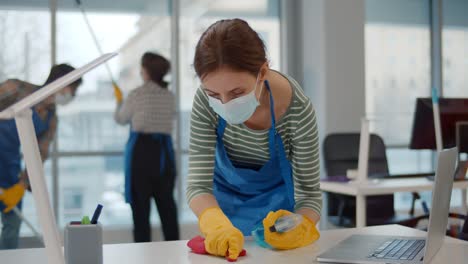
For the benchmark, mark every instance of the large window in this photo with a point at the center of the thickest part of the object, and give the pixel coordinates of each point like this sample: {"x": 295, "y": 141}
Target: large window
{"x": 87, "y": 123}
{"x": 24, "y": 44}
{"x": 90, "y": 143}
{"x": 25, "y": 55}
{"x": 86, "y": 181}
{"x": 397, "y": 65}
{"x": 398, "y": 71}
{"x": 87, "y": 126}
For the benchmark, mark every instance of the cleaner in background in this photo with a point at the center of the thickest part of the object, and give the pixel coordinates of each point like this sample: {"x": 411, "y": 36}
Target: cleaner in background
{"x": 13, "y": 180}
{"x": 150, "y": 168}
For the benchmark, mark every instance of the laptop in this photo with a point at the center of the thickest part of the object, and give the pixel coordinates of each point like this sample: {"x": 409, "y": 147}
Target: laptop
{"x": 391, "y": 249}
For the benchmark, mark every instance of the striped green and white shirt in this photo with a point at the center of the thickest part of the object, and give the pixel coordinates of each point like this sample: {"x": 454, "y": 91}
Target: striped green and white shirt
{"x": 149, "y": 108}
{"x": 298, "y": 130}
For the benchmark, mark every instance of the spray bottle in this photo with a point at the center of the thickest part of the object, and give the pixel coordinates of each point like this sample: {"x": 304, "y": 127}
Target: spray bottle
{"x": 282, "y": 225}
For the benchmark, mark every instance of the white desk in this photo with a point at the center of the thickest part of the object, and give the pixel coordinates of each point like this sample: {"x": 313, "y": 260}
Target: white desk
{"x": 177, "y": 252}
{"x": 384, "y": 186}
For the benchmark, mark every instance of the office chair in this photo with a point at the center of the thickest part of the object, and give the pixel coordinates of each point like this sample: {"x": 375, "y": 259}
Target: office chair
{"x": 460, "y": 232}
{"x": 464, "y": 231}
{"x": 341, "y": 153}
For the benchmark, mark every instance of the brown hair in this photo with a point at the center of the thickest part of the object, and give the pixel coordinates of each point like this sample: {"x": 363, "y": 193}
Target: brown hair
{"x": 156, "y": 66}
{"x": 232, "y": 43}
{"x": 60, "y": 70}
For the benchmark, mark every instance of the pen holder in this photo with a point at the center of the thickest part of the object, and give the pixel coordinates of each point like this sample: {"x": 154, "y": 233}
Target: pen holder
{"x": 83, "y": 244}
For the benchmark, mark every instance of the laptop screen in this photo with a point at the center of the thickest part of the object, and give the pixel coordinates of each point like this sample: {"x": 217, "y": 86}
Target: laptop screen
{"x": 446, "y": 166}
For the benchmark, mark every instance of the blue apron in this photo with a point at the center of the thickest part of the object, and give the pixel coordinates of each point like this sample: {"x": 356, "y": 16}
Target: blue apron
{"x": 10, "y": 155}
{"x": 246, "y": 195}
{"x": 166, "y": 158}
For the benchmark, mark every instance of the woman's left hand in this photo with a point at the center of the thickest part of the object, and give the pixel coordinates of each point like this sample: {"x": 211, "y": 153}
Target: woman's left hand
{"x": 302, "y": 235}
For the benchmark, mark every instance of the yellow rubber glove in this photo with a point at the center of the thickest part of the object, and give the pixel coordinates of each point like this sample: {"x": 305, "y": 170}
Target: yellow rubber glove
{"x": 304, "y": 234}
{"x": 221, "y": 237}
{"x": 117, "y": 93}
{"x": 11, "y": 196}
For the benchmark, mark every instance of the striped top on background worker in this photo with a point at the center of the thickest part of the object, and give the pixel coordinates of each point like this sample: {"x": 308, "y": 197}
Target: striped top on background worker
{"x": 149, "y": 108}
{"x": 150, "y": 168}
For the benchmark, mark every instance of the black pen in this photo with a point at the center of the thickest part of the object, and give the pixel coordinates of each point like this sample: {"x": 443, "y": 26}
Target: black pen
{"x": 96, "y": 214}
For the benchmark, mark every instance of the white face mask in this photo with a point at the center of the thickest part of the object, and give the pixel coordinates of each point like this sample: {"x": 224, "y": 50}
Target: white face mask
{"x": 237, "y": 110}
{"x": 63, "y": 98}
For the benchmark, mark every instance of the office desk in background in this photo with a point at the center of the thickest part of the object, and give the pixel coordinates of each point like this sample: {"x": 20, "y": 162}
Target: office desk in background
{"x": 177, "y": 252}
{"x": 384, "y": 186}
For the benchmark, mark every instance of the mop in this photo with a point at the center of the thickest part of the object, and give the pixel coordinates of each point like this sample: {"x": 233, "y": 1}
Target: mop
{"x": 26, "y": 221}
{"x": 98, "y": 45}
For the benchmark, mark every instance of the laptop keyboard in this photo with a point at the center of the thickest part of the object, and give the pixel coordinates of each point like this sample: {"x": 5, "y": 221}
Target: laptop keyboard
{"x": 398, "y": 249}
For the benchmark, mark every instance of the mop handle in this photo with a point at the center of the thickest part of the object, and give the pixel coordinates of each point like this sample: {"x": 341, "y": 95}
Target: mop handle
{"x": 96, "y": 42}
{"x": 20, "y": 215}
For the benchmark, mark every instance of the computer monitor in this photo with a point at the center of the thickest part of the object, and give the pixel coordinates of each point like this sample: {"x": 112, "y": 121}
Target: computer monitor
{"x": 453, "y": 111}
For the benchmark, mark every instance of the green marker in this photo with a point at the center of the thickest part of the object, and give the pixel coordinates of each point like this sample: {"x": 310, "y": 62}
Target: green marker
{"x": 85, "y": 220}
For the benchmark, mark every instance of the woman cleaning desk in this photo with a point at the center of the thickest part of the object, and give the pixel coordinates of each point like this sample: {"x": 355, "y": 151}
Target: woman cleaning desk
{"x": 254, "y": 154}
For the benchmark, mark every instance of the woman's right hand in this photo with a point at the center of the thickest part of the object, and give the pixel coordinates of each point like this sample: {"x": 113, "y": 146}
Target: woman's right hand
{"x": 221, "y": 237}
{"x": 117, "y": 93}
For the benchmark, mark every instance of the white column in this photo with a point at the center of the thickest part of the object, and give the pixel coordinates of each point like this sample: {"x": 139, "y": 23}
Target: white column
{"x": 332, "y": 67}
{"x": 334, "y": 62}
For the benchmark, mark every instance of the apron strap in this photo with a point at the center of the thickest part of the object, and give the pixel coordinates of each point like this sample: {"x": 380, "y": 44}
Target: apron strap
{"x": 221, "y": 127}
{"x": 272, "y": 131}
{"x": 277, "y": 149}
{"x": 272, "y": 105}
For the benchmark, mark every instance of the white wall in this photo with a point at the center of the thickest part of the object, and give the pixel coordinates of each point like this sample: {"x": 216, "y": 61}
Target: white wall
{"x": 333, "y": 62}
{"x": 323, "y": 49}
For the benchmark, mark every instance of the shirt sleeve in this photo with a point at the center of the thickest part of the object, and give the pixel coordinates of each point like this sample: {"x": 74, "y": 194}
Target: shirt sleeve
{"x": 202, "y": 147}
{"x": 9, "y": 93}
{"x": 305, "y": 161}
{"x": 124, "y": 112}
